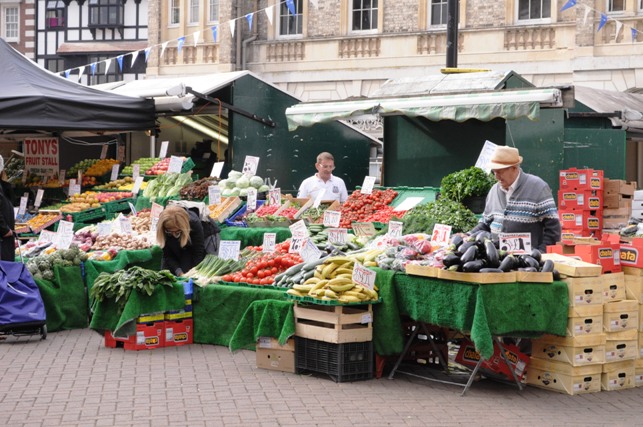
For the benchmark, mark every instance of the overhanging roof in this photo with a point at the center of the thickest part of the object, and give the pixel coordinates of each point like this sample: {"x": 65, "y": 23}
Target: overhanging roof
{"x": 628, "y": 104}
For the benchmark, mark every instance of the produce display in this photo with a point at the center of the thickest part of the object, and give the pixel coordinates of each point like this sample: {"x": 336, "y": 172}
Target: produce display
{"x": 410, "y": 248}
{"x": 223, "y": 209}
{"x": 82, "y": 166}
{"x": 96, "y": 198}
{"x": 265, "y": 268}
{"x": 422, "y": 218}
{"x": 167, "y": 185}
{"x": 161, "y": 167}
{"x": 119, "y": 285}
{"x": 212, "y": 267}
{"x": 101, "y": 167}
{"x": 237, "y": 184}
{"x": 42, "y": 266}
{"x": 144, "y": 163}
{"x": 14, "y": 168}
{"x": 43, "y": 220}
{"x": 358, "y": 207}
{"x": 121, "y": 241}
{"x": 319, "y": 236}
{"x": 118, "y": 184}
{"x": 198, "y": 189}
{"x": 471, "y": 182}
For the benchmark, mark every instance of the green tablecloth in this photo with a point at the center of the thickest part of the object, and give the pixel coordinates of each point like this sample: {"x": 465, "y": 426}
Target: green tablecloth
{"x": 484, "y": 311}
{"x": 64, "y": 299}
{"x": 218, "y": 310}
{"x": 253, "y": 236}
{"x": 264, "y": 318}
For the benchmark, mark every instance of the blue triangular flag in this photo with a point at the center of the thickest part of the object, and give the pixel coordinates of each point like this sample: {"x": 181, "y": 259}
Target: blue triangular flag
{"x": 67, "y": 74}
{"x": 291, "y": 7}
{"x": 215, "y": 28}
{"x": 180, "y": 43}
{"x": 603, "y": 22}
{"x": 92, "y": 67}
{"x": 120, "y": 62}
{"x": 147, "y": 53}
{"x": 634, "y": 33}
{"x": 249, "y": 19}
{"x": 570, "y": 3}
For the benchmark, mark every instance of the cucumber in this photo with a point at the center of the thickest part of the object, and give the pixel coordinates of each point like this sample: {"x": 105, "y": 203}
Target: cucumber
{"x": 312, "y": 264}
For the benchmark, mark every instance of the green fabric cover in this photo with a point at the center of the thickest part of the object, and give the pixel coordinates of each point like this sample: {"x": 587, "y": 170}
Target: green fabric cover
{"x": 64, "y": 299}
{"x": 123, "y": 324}
{"x": 253, "y": 236}
{"x": 264, "y": 318}
{"x": 218, "y": 309}
{"x": 146, "y": 202}
{"x": 387, "y": 325}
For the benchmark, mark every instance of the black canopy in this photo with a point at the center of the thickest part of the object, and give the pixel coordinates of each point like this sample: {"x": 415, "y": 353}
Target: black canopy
{"x": 33, "y": 98}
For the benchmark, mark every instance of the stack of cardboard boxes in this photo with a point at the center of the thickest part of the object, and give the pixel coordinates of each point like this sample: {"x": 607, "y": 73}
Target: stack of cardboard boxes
{"x": 580, "y": 202}
{"x": 617, "y": 204}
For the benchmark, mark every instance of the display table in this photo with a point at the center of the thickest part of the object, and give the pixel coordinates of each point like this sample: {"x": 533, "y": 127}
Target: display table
{"x": 253, "y": 236}
{"x": 65, "y": 299}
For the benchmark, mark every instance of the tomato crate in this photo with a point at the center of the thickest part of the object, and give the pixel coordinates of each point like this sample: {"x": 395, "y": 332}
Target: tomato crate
{"x": 179, "y": 332}
{"x": 580, "y": 199}
{"x": 148, "y": 336}
{"x": 584, "y": 220}
{"x": 581, "y": 179}
{"x": 341, "y": 362}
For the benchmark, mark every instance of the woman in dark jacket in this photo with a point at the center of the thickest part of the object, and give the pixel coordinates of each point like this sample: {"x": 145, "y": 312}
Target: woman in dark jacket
{"x": 180, "y": 233}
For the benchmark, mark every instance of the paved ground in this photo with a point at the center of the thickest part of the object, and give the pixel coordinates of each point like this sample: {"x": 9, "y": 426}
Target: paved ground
{"x": 71, "y": 379}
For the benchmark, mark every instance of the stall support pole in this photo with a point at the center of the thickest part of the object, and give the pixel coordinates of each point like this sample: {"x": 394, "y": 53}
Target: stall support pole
{"x": 152, "y": 145}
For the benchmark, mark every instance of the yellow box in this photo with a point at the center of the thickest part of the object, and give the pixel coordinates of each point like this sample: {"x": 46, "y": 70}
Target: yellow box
{"x": 585, "y": 320}
{"x": 634, "y": 287}
{"x": 638, "y": 373}
{"x": 614, "y": 287}
{"x": 622, "y": 346}
{"x": 576, "y": 351}
{"x": 620, "y": 315}
{"x": 564, "y": 378}
{"x": 585, "y": 290}
{"x": 270, "y": 355}
{"x": 618, "y": 375}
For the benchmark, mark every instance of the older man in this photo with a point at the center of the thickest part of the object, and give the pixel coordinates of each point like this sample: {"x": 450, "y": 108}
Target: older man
{"x": 519, "y": 202}
{"x": 333, "y": 186}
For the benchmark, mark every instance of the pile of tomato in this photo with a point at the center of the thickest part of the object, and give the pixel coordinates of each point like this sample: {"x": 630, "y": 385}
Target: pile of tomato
{"x": 262, "y": 269}
{"x": 384, "y": 215}
{"x": 358, "y": 207}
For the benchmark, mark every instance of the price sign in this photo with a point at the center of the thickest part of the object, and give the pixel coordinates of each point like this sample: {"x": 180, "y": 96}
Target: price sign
{"x": 485, "y": 156}
{"x": 367, "y": 186}
{"x": 363, "y": 276}
{"x": 176, "y": 163}
{"x": 309, "y": 251}
{"x": 104, "y": 228}
{"x": 61, "y": 176}
{"x": 103, "y": 151}
{"x": 155, "y": 213}
{"x": 65, "y": 234}
{"x": 441, "y": 234}
{"x": 395, "y": 228}
{"x": 252, "y": 199}
{"x": 299, "y": 230}
{"x": 74, "y": 189}
{"x": 72, "y": 181}
{"x": 137, "y": 185}
{"x": 136, "y": 171}
{"x": 39, "y": 194}
{"x": 364, "y": 229}
{"x": 23, "y": 205}
{"x": 274, "y": 196}
{"x": 126, "y": 225}
{"x": 214, "y": 195}
{"x": 216, "y": 169}
{"x": 319, "y": 198}
{"x": 296, "y": 243}
{"x": 163, "y": 152}
{"x": 337, "y": 236}
{"x": 229, "y": 249}
{"x": 332, "y": 218}
{"x": 114, "y": 176}
{"x": 47, "y": 236}
{"x": 132, "y": 208}
{"x": 250, "y": 165}
{"x": 269, "y": 242}
{"x": 515, "y": 243}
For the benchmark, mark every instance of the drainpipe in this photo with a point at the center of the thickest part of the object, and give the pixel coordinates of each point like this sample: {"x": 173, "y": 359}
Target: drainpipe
{"x": 253, "y": 37}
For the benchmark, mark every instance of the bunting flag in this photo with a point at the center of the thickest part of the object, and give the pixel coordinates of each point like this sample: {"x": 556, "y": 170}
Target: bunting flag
{"x": 634, "y": 33}
{"x": 602, "y": 23}
{"x": 570, "y": 3}
{"x": 147, "y": 53}
{"x": 67, "y": 73}
{"x": 587, "y": 10}
{"x": 179, "y": 44}
{"x": 269, "y": 11}
{"x": 92, "y": 67}
{"x": 119, "y": 59}
{"x": 108, "y": 63}
{"x": 215, "y": 29}
{"x": 619, "y": 25}
{"x": 249, "y": 19}
{"x": 290, "y": 4}
{"x": 81, "y": 70}
{"x": 196, "y": 35}
{"x": 163, "y": 46}
{"x": 232, "y": 23}
{"x": 134, "y": 56}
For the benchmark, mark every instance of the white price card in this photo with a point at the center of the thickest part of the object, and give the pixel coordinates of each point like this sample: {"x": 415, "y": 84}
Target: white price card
{"x": 136, "y": 171}
{"x": 515, "y": 243}
{"x": 395, "y": 228}
{"x": 309, "y": 251}
{"x": 61, "y": 176}
{"x": 103, "y": 151}
{"x": 132, "y": 208}
{"x": 114, "y": 176}
{"x": 485, "y": 156}
{"x": 47, "y": 236}
{"x": 229, "y": 249}
{"x": 252, "y": 199}
{"x": 296, "y": 243}
{"x": 214, "y": 195}
{"x": 74, "y": 189}
{"x": 163, "y": 151}
{"x": 104, "y": 228}
{"x": 363, "y": 276}
{"x": 269, "y": 242}
{"x": 176, "y": 163}
{"x": 72, "y": 181}
{"x": 299, "y": 229}
{"x": 23, "y": 205}
{"x": 274, "y": 197}
{"x": 65, "y": 234}
{"x": 319, "y": 198}
{"x": 366, "y": 229}
{"x": 441, "y": 234}
{"x": 39, "y": 195}
{"x": 408, "y": 203}
{"x": 126, "y": 225}
{"x": 137, "y": 185}
{"x": 337, "y": 236}
{"x": 156, "y": 210}
{"x": 216, "y": 169}
{"x": 250, "y": 165}
{"x": 332, "y": 218}
{"x": 367, "y": 186}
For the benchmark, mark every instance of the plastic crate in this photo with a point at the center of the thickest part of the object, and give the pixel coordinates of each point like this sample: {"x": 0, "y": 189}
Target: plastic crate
{"x": 428, "y": 194}
{"x": 236, "y": 221}
{"x": 86, "y": 215}
{"x": 120, "y": 205}
{"x": 341, "y": 362}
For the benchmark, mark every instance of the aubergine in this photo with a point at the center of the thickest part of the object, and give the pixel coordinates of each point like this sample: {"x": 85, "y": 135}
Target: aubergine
{"x": 548, "y": 266}
{"x": 469, "y": 255}
{"x": 528, "y": 261}
{"x": 528, "y": 269}
{"x": 464, "y": 246}
{"x": 456, "y": 241}
{"x": 482, "y": 236}
{"x": 491, "y": 270}
{"x": 536, "y": 254}
{"x": 491, "y": 254}
{"x": 451, "y": 259}
{"x": 509, "y": 263}
{"x": 556, "y": 274}
{"x": 473, "y": 266}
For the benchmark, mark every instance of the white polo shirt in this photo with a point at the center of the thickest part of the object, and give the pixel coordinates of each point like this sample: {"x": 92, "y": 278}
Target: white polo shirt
{"x": 335, "y": 188}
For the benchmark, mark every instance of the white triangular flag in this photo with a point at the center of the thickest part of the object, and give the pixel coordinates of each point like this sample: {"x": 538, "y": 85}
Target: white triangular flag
{"x": 134, "y": 56}
{"x": 269, "y": 12}
{"x": 587, "y": 10}
{"x": 196, "y": 37}
{"x": 108, "y": 62}
{"x": 81, "y": 70}
{"x": 163, "y": 46}
{"x": 232, "y": 23}
{"x": 619, "y": 25}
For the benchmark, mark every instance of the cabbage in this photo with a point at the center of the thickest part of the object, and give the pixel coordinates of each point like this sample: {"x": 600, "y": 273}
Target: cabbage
{"x": 243, "y": 182}
{"x": 234, "y": 174}
{"x": 263, "y": 189}
{"x": 256, "y": 181}
{"x": 227, "y": 192}
{"x": 223, "y": 184}
{"x": 243, "y": 192}
{"x": 230, "y": 184}
{"x": 235, "y": 192}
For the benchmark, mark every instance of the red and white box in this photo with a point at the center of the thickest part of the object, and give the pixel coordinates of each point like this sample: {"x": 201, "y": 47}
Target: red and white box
{"x": 179, "y": 332}
{"x": 580, "y": 199}
{"x": 495, "y": 366}
{"x": 581, "y": 179}
{"x": 148, "y": 336}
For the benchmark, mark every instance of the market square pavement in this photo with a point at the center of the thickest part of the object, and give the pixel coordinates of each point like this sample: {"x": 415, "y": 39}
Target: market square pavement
{"x": 71, "y": 379}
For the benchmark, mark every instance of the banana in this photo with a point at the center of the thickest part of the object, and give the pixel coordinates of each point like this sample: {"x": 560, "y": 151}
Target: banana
{"x": 339, "y": 281}
{"x": 328, "y": 269}
{"x": 370, "y": 264}
{"x": 348, "y": 298}
{"x": 344, "y": 276}
{"x": 295, "y": 292}
{"x": 312, "y": 281}
{"x": 319, "y": 285}
{"x": 302, "y": 288}
{"x": 330, "y": 294}
{"x": 342, "y": 288}
{"x": 339, "y": 259}
{"x": 344, "y": 270}
{"x": 356, "y": 294}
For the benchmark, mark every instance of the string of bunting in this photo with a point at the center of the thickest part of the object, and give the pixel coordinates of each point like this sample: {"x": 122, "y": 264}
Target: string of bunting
{"x": 180, "y": 42}
{"x": 603, "y": 19}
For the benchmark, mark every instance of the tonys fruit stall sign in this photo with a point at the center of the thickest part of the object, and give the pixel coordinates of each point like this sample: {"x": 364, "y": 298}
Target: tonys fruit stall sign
{"x": 41, "y": 156}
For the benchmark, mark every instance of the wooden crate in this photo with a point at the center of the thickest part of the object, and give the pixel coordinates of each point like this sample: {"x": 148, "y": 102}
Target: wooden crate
{"x": 334, "y": 323}
{"x": 619, "y": 186}
{"x": 225, "y": 209}
{"x": 480, "y": 278}
{"x": 573, "y": 267}
{"x": 617, "y": 201}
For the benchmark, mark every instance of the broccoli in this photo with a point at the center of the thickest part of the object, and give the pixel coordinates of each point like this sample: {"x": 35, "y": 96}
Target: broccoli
{"x": 48, "y": 275}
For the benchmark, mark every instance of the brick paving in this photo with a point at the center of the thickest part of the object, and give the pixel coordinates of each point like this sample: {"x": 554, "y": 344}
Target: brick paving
{"x": 71, "y": 379}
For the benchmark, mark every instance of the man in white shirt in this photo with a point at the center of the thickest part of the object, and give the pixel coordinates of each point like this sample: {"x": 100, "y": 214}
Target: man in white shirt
{"x": 324, "y": 180}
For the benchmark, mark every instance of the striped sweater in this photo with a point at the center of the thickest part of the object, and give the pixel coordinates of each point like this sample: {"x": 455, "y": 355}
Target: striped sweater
{"x": 531, "y": 208}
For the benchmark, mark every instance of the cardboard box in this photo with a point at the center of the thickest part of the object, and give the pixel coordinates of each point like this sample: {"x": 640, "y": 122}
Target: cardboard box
{"x": 606, "y": 254}
{"x": 275, "y": 357}
{"x": 148, "y": 336}
{"x": 585, "y": 290}
{"x": 580, "y": 199}
{"x": 564, "y": 378}
{"x": 618, "y": 375}
{"x": 614, "y": 287}
{"x": 632, "y": 253}
{"x": 496, "y": 365}
{"x": 620, "y": 315}
{"x": 576, "y": 233}
{"x": 583, "y": 220}
{"x": 619, "y": 186}
{"x": 638, "y": 373}
{"x": 573, "y": 267}
{"x": 622, "y": 346}
{"x": 634, "y": 287}
{"x": 179, "y": 332}
{"x": 617, "y": 201}
{"x": 585, "y": 320}
{"x": 581, "y": 179}
{"x": 576, "y": 351}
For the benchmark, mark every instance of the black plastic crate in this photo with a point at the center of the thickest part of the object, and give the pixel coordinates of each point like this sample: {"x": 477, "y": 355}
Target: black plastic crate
{"x": 342, "y": 362}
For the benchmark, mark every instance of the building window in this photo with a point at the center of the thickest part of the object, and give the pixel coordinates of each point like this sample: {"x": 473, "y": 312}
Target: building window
{"x": 11, "y": 23}
{"x": 55, "y": 14}
{"x": 113, "y": 74}
{"x": 194, "y": 12}
{"x": 105, "y": 13}
{"x": 363, "y": 15}
{"x": 213, "y": 11}
{"x": 616, "y": 5}
{"x": 530, "y": 10}
{"x": 289, "y": 24}
{"x": 437, "y": 13}
{"x": 175, "y": 12}
{"x": 55, "y": 65}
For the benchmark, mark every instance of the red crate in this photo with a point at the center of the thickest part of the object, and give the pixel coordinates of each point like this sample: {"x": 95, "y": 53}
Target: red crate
{"x": 589, "y": 200}
{"x": 632, "y": 253}
{"x": 179, "y": 332}
{"x": 495, "y": 366}
{"x": 573, "y": 233}
{"x": 581, "y": 179}
{"x": 606, "y": 254}
{"x": 581, "y": 220}
{"x": 148, "y": 336}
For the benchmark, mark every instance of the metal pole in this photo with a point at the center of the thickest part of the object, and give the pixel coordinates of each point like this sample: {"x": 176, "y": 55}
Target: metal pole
{"x": 452, "y": 33}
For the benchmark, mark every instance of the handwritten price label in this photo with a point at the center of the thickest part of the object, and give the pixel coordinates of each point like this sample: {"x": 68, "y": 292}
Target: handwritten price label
{"x": 104, "y": 228}
{"x": 114, "y": 175}
{"x": 39, "y": 194}
{"x": 363, "y": 276}
{"x": 364, "y": 229}
{"x": 395, "y": 228}
{"x": 216, "y": 169}
{"x": 252, "y": 199}
{"x": 23, "y": 205}
{"x": 47, "y": 236}
{"x": 136, "y": 171}
{"x": 515, "y": 243}
{"x": 65, "y": 234}
{"x": 337, "y": 236}
{"x": 274, "y": 197}
{"x": 250, "y": 165}
{"x": 163, "y": 151}
{"x": 214, "y": 195}
{"x": 299, "y": 229}
{"x": 332, "y": 218}
{"x": 176, "y": 163}
{"x": 269, "y": 242}
{"x": 126, "y": 225}
{"x": 441, "y": 234}
{"x": 309, "y": 252}
{"x": 229, "y": 249}
{"x": 367, "y": 186}
{"x": 296, "y": 243}
{"x": 103, "y": 152}
{"x": 137, "y": 185}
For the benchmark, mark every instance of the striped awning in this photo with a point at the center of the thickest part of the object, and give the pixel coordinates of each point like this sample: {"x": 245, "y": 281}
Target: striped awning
{"x": 483, "y": 106}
